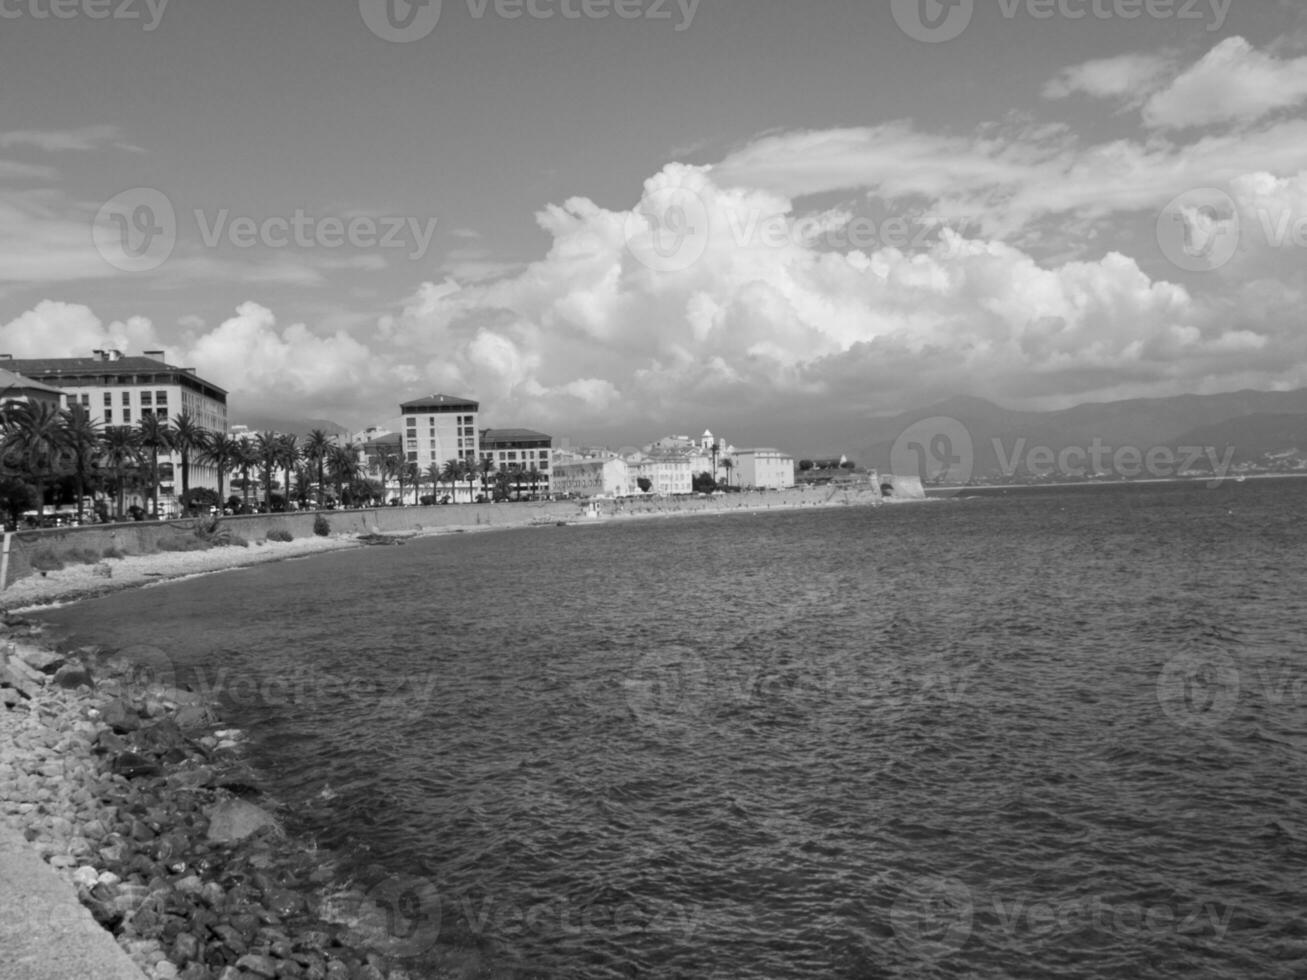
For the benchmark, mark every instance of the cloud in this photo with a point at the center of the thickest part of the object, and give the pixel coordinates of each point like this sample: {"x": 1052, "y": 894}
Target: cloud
{"x": 59, "y": 140}
{"x": 1127, "y": 77}
{"x": 1233, "y": 83}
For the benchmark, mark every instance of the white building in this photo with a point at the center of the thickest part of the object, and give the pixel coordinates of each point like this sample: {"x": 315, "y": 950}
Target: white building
{"x": 764, "y": 469}
{"x": 592, "y": 477}
{"x": 440, "y": 428}
{"x": 118, "y": 390}
{"x": 666, "y": 474}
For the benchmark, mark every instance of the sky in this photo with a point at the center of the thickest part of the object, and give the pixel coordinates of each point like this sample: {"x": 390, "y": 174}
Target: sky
{"x": 613, "y": 220}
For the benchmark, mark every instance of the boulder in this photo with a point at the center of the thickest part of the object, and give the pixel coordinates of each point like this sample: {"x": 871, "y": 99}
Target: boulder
{"x": 133, "y": 766}
{"x": 72, "y": 676}
{"x": 234, "y": 820}
{"x": 39, "y": 659}
{"x": 120, "y": 716}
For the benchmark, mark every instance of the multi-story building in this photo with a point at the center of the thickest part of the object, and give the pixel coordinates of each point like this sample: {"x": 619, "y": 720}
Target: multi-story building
{"x": 438, "y": 429}
{"x": 667, "y": 473}
{"x": 520, "y": 450}
{"x": 606, "y": 476}
{"x": 119, "y": 390}
{"x": 763, "y": 469}
{"x": 18, "y": 390}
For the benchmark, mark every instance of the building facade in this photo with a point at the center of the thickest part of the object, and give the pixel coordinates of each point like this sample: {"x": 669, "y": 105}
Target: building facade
{"x": 666, "y": 473}
{"x": 118, "y": 390}
{"x": 440, "y": 428}
{"x": 520, "y": 451}
{"x": 763, "y": 469}
{"x": 606, "y": 477}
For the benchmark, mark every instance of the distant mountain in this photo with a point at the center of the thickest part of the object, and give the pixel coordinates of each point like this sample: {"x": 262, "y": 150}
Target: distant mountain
{"x": 1242, "y": 427}
{"x": 298, "y": 427}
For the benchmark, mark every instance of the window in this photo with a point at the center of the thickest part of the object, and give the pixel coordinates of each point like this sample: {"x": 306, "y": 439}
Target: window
{"x": 108, "y": 415}
{"x": 108, "y": 399}
{"x": 161, "y": 398}
{"x": 147, "y": 399}
{"x": 413, "y": 457}
{"x": 86, "y": 400}
{"x": 127, "y": 416}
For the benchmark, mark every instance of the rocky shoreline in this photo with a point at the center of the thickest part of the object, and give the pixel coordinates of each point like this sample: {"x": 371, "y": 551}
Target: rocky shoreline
{"x": 135, "y": 792}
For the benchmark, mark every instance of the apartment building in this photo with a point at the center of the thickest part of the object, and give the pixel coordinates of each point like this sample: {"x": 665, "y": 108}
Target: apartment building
{"x": 440, "y": 428}
{"x": 520, "y": 450}
{"x": 763, "y": 469}
{"x": 18, "y": 390}
{"x": 116, "y": 389}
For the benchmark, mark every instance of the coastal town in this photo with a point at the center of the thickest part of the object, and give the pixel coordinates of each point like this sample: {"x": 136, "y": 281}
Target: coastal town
{"x": 112, "y": 435}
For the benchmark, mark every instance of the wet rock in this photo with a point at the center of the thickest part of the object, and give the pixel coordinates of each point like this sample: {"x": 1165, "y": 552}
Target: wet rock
{"x": 72, "y": 676}
{"x": 260, "y": 966}
{"x": 133, "y": 766}
{"x": 45, "y": 661}
{"x": 234, "y": 820}
{"x": 120, "y": 716}
{"x": 193, "y": 716}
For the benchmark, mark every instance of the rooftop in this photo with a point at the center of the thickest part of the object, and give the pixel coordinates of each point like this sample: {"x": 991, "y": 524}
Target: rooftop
{"x": 74, "y": 368}
{"x": 513, "y": 435}
{"x": 9, "y": 379}
{"x": 443, "y": 402}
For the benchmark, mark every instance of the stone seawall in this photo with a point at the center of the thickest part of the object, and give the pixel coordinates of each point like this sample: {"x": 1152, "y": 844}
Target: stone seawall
{"x": 30, "y": 550}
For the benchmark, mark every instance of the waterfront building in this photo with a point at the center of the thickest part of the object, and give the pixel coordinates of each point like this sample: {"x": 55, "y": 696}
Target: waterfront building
{"x": 440, "y": 428}
{"x": 763, "y": 469}
{"x": 121, "y": 390}
{"x": 606, "y": 476}
{"x": 667, "y": 473}
{"x": 520, "y": 451}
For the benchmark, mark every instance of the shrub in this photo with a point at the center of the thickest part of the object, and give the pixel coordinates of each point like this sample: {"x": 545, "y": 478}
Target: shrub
{"x": 280, "y": 534}
{"x": 81, "y": 556}
{"x": 321, "y": 526}
{"x": 113, "y": 551}
{"x": 236, "y": 541}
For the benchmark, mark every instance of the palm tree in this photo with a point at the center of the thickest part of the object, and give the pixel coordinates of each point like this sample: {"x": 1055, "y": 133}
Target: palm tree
{"x": 471, "y": 470}
{"x": 534, "y": 474}
{"x": 247, "y": 456}
{"x": 434, "y": 473}
{"x": 81, "y": 436}
{"x": 34, "y": 435}
{"x": 487, "y": 467}
{"x": 122, "y": 452}
{"x": 453, "y": 472}
{"x": 267, "y": 446}
{"x": 188, "y": 437}
{"x": 288, "y": 454}
{"x": 409, "y": 469}
{"x": 222, "y": 452}
{"x": 344, "y": 463}
{"x": 316, "y": 446}
{"x": 156, "y": 435}
{"x": 728, "y": 464}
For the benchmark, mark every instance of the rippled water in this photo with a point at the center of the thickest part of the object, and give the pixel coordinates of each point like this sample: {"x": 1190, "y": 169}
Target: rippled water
{"x": 1041, "y": 734}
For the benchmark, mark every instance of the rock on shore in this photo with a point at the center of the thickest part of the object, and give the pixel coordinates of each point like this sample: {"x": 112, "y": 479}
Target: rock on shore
{"x": 128, "y": 792}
